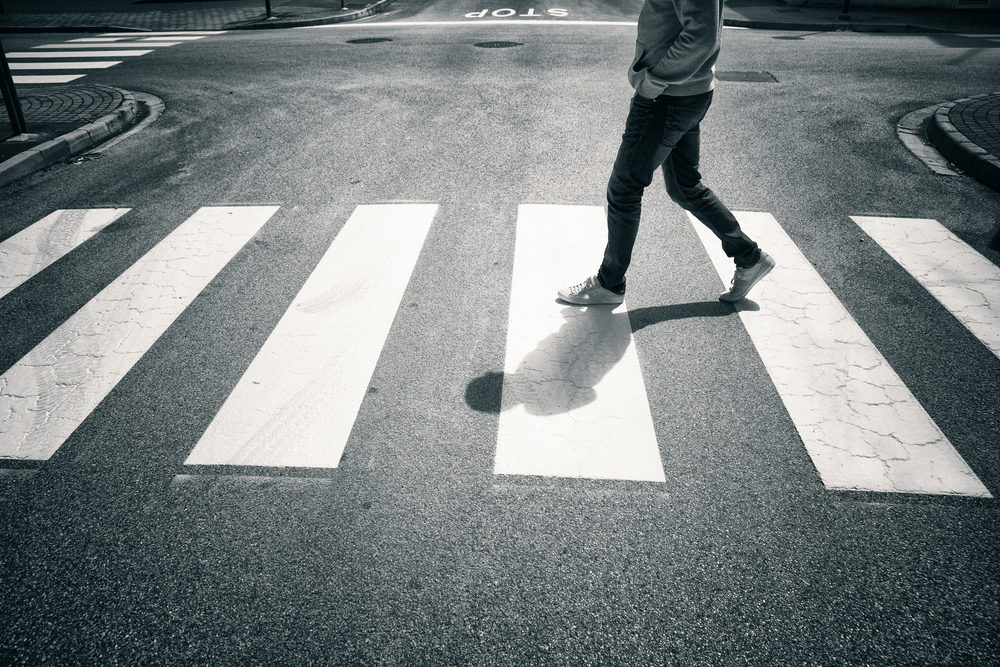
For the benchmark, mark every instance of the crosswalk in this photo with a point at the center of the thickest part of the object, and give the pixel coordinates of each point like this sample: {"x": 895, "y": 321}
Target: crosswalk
{"x": 63, "y": 62}
{"x": 574, "y": 402}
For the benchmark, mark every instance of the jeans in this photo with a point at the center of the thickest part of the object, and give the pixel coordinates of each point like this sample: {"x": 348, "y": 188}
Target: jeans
{"x": 664, "y": 132}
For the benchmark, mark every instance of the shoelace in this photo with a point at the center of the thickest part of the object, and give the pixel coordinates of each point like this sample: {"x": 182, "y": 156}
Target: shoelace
{"x": 576, "y": 289}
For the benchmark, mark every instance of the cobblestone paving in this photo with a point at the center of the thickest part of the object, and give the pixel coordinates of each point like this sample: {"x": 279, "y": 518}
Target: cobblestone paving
{"x": 979, "y": 120}
{"x": 65, "y": 104}
{"x": 198, "y": 19}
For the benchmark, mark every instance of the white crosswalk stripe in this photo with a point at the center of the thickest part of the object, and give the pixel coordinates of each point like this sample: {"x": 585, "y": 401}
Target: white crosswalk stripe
{"x": 111, "y": 46}
{"x": 92, "y": 64}
{"x": 962, "y": 280}
{"x": 32, "y": 250}
{"x": 862, "y": 427}
{"x": 573, "y": 403}
{"x": 77, "y": 54}
{"x": 49, "y": 392}
{"x": 46, "y": 79}
{"x": 68, "y": 47}
{"x": 296, "y": 404}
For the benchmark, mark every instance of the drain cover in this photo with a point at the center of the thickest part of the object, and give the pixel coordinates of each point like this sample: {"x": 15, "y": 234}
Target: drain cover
{"x": 496, "y": 45}
{"x": 369, "y": 40}
{"x": 755, "y": 77}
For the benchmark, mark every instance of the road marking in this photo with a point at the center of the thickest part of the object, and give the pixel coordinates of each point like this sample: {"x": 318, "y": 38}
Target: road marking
{"x": 297, "y": 402}
{"x": 574, "y": 402}
{"x": 102, "y": 39}
{"x": 116, "y": 45}
{"x": 160, "y": 33}
{"x": 862, "y": 427}
{"x": 177, "y": 38}
{"x": 47, "y": 78}
{"x": 87, "y": 64}
{"x": 962, "y": 280}
{"x": 31, "y": 250}
{"x": 77, "y": 54}
{"x": 475, "y": 22}
{"x": 46, "y": 395}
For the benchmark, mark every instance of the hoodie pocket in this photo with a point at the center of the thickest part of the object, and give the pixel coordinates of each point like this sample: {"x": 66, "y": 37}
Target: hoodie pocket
{"x": 640, "y": 51}
{"x": 634, "y": 72}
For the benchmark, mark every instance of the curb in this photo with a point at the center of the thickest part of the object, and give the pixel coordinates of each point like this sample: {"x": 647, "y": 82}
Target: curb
{"x": 376, "y": 8}
{"x": 957, "y": 148}
{"x": 72, "y": 143}
{"x": 846, "y": 26}
{"x": 370, "y": 10}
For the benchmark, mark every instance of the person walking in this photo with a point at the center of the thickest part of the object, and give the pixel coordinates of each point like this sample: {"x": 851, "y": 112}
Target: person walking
{"x": 673, "y": 74}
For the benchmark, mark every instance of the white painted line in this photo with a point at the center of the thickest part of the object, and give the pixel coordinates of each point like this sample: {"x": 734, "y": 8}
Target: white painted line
{"x": 77, "y": 54}
{"x": 478, "y": 22}
{"x": 177, "y": 38}
{"x": 574, "y": 402}
{"x": 33, "y": 249}
{"x": 101, "y": 39}
{"x": 116, "y": 45}
{"x": 135, "y": 35}
{"x": 962, "y": 280}
{"x": 862, "y": 427}
{"x": 297, "y": 402}
{"x": 86, "y": 64}
{"x": 47, "y": 78}
{"x": 49, "y": 392}
{"x": 467, "y": 23}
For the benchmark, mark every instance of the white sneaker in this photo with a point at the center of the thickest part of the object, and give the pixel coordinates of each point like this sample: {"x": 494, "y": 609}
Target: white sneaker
{"x": 590, "y": 293}
{"x": 745, "y": 278}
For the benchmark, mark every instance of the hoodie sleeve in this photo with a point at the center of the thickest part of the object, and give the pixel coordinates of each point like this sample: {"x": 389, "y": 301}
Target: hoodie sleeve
{"x": 697, "y": 41}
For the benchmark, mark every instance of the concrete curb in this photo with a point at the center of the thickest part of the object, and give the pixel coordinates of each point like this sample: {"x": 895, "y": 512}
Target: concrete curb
{"x": 957, "y": 148}
{"x": 376, "y": 8}
{"x": 846, "y": 26}
{"x": 72, "y": 143}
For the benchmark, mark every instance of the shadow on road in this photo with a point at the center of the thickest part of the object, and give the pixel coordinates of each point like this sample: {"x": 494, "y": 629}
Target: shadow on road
{"x": 563, "y": 370}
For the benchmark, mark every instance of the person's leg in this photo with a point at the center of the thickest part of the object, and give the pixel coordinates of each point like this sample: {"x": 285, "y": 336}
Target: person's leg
{"x": 642, "y": 151}
{"x": 684, "y": 185}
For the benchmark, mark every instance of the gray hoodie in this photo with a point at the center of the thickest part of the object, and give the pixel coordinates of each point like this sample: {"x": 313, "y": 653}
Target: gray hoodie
{"x": 676, "y": 48}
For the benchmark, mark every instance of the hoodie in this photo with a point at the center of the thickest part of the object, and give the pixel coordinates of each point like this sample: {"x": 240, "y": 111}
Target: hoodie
{"x": 676, "y": 48}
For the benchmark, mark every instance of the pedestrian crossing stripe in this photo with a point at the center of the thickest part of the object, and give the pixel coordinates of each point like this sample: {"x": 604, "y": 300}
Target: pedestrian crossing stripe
{"x": 963, "y": 281}
{"x": 92, "y": 64}
{"x": 34, "y": 55}
{"x": 297, "y": 402}
{"x": 116, "y": 46}
{"x": 30, "y": 251}
{"x": 47, "y": 78}
{"x": 573, "y": 403}
{"x": 566, "y": 369}
{"x": 65, "y": 46}
{"x": 860, "y": 424}
{"x": 46, "y": 395}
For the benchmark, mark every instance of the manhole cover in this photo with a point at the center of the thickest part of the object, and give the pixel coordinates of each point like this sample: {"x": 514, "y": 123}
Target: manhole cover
{"x": 369, "y": 40}
{"x": 754, "y": 77}
{"x": 497, "y": 45}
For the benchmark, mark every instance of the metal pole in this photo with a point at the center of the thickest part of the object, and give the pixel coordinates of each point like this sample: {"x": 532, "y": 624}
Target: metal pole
{"x": 10, "y": 96}
{"x": 267, "y": 6}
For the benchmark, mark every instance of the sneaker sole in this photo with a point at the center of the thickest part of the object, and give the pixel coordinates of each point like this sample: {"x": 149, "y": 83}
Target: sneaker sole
{"x": 591, "y": 302}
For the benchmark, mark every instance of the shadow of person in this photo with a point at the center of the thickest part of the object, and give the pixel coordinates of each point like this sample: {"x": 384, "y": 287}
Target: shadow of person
{"x": 561, "y": 373}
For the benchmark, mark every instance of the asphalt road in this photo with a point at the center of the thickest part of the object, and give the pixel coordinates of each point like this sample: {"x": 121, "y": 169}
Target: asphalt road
{"x": 412, "y": 550}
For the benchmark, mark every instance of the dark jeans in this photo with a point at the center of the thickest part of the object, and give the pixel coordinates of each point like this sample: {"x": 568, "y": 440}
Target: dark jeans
{"x": 664, "y": 132}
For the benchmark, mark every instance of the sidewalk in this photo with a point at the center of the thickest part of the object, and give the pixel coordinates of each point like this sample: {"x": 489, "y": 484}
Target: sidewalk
{"x": 66, "y": 120}
{"x": 21, "y": 16}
